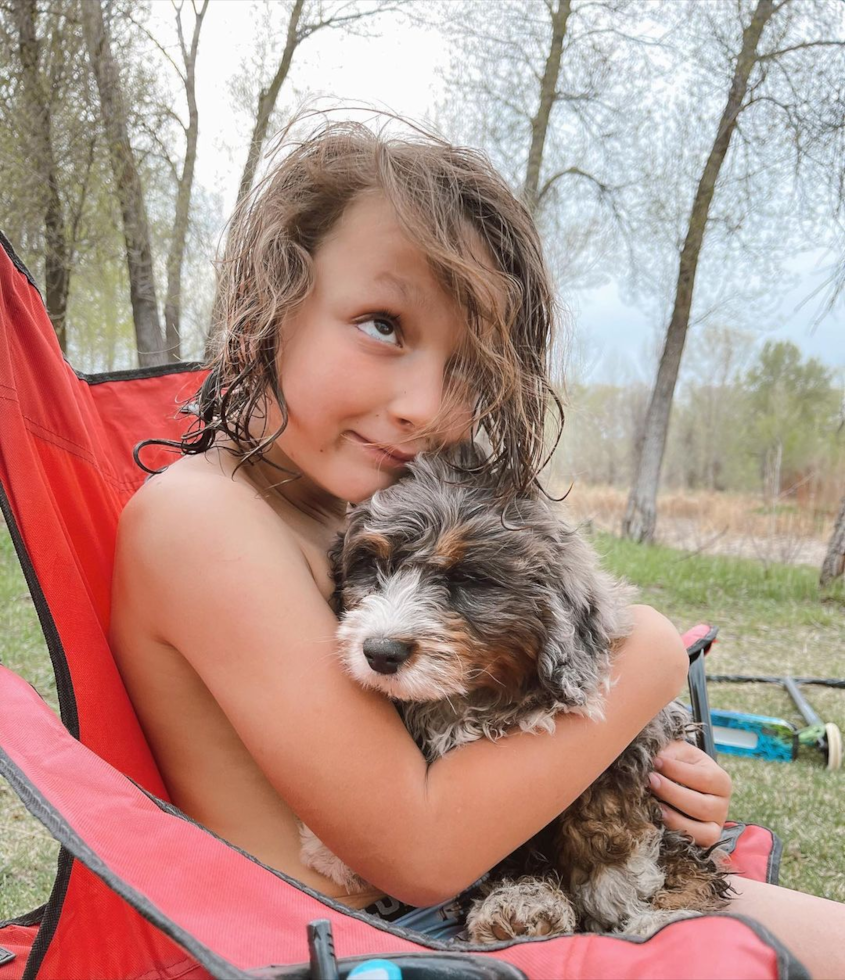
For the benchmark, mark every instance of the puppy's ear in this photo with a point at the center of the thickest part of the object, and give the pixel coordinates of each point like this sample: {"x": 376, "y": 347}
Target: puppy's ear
{"x": 588, "y": 611}
{"x": 575, "y": 660}
{"x": 335, "y": 556}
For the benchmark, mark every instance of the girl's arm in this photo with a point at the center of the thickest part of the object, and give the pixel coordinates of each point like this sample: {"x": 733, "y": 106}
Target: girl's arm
{"x": 235, "y": 596}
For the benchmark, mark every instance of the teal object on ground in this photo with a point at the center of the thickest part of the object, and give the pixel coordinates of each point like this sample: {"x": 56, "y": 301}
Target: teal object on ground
{"x": 760, "y": 736}
{"x": 376, "y": 970}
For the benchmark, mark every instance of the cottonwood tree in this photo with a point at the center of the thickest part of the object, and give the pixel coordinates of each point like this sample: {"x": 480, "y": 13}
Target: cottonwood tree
{"x": 301, "y": 20}
{"x": 51, "y": 152}
{"x": 126, "y": 165}
{"x": 792, "y": 407}
{"x": 781, "y": 63}
{"x": 549, "y": 89}
{"x": 257, "y": 87}
{"x": 833, "y": 565}
{"x": 834, "y": 560}
{"x": 183, "y": 177}
{"x": 130, "y": 192}
{"x": 600, "y": 426}
{"x": 706, "y": 446}
{"x": 36, "y": 107}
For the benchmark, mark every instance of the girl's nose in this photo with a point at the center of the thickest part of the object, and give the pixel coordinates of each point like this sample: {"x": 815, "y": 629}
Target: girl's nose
{"x": 418, "y": 394}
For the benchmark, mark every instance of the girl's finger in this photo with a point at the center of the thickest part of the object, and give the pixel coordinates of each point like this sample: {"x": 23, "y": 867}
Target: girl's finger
{"x": 705, "y": 834}
{"x": 700, "y": 806}
{"x": 706, "y": 777}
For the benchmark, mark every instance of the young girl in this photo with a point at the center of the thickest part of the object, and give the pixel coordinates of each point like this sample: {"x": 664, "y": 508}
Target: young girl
{"x": 380, "y": 297}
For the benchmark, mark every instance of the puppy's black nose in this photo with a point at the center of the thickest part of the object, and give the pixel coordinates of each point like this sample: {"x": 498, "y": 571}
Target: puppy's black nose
{"x": 386, "y": 656}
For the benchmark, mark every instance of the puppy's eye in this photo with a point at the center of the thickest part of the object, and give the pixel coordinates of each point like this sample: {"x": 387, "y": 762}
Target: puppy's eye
{"x": 361, "y": 563}
{"x": 464, "y": 577}
{"x": 365, "y": 563}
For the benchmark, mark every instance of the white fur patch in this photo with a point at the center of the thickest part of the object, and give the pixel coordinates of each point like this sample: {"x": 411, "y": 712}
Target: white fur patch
{"x": 615, "y": 894}
{"x": 404, "y": 609}
{"x": 315, "y": 855}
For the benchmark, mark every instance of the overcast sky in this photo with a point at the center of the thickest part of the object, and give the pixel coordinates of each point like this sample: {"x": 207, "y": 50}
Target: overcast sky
{"x": 403, "y": 70}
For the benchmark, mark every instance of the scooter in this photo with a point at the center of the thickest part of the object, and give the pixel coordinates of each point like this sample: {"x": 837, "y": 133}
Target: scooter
{"x": 758, "y": 736}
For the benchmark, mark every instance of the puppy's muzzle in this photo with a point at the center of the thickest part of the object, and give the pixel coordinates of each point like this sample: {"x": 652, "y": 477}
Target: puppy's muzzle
{"x": 386, "y": 656}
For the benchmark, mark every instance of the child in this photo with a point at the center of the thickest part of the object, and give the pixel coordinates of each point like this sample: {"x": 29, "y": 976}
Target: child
{"x": 379, "y": 297}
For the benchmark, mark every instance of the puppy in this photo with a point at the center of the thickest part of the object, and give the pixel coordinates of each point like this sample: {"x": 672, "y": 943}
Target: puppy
{"x": 477, "y": 617}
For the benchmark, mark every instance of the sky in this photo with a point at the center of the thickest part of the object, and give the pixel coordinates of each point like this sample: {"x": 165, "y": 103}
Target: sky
{"x": 402, "y": 70}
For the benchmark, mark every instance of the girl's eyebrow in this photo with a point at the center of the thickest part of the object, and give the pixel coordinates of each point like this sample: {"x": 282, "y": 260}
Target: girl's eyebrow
{"x": 408, "y": 291}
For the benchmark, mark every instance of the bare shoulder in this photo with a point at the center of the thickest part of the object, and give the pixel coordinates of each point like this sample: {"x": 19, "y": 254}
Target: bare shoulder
{"x": 189, "y": 521}
{"x": 194, "y": 489}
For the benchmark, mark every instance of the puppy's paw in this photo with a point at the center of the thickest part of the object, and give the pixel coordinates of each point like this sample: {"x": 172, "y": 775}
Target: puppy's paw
{"x": 647, "y": 922}
{"x": 526, "y": 907}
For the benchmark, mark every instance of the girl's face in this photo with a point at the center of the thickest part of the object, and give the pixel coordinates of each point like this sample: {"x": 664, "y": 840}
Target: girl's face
{"x": 365, "y": 359}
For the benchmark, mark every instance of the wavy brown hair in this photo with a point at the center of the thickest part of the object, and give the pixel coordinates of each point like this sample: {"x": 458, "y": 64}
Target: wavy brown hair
{"x": 449, "y": 199}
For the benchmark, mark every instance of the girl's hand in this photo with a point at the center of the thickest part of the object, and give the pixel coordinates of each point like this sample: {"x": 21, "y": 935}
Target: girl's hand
{"x": 696, "y": 789}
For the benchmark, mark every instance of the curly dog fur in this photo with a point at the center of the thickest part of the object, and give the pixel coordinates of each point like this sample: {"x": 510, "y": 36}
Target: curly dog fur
{"x": 476, "y": 616}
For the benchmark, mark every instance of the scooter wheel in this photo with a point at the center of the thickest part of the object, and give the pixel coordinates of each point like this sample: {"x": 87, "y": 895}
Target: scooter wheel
{"x": 834, "y": 746}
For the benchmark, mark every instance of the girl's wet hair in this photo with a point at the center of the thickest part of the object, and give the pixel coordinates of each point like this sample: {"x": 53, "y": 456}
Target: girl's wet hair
{"x": 481, "y": 244}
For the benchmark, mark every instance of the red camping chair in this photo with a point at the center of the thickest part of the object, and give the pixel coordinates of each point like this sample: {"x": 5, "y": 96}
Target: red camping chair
{"x": 142, "y": 891}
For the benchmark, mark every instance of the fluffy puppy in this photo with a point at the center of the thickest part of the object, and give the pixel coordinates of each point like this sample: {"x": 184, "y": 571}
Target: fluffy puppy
{"x": 476, "y": 617}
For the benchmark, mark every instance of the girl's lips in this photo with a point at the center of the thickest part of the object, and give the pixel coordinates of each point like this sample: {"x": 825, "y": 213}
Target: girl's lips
{"x": 384, "y": 456}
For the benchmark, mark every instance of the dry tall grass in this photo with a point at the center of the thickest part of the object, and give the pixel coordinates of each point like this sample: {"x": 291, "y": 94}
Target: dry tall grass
{"x": 715, "y": 523}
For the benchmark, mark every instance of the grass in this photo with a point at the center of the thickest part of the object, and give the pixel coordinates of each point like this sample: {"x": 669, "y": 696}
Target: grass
{"x": 771, "y": 621}
{"x": 27, "y": 852}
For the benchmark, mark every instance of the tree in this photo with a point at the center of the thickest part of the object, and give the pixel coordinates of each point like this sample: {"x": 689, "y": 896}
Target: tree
{"x": 130, "y": 192}
{"x": 183, "y": 180}
{"x": 305, "y": 19}
{"x": 37, "y": 107}
{"x": 834, "y": 559}
{"x": 791, "y": 410}
{"x": 546, "y": 88}
{"x": 559, "y": 11}
{"x": 783, "y": 59}
{"x": 51, "y": 153}
{"x": 261, "y": 82}
{"x": 705, "y": 446}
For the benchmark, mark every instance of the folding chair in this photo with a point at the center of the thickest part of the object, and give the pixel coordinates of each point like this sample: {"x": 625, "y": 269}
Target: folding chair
{"x": 141, "y": 890}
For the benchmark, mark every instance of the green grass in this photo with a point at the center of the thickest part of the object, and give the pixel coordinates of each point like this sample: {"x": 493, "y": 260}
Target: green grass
{"x": 771, "y": 621}
{"x": 27, "y": 852}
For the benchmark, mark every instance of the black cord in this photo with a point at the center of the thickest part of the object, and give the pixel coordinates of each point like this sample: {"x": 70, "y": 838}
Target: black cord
{"x": 765, "y": 679}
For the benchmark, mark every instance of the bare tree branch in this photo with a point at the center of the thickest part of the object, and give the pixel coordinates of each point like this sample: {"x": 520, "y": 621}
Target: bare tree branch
{"x": 571, "y": 172}
{"x": 803, "y": 46}
{"x": 155, "y": 41}
{"x": 184, "y": 186}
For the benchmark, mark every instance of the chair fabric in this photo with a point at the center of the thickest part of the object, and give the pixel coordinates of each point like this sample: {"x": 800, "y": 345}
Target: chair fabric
{"x": 142, "y": 891}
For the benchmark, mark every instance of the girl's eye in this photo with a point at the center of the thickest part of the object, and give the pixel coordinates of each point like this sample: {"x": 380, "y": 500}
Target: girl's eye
{"x": 381, "y": 327}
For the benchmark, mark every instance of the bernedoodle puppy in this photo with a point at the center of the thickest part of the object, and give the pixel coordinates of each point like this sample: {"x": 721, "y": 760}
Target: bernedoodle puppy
{"x": 476, "y": 618}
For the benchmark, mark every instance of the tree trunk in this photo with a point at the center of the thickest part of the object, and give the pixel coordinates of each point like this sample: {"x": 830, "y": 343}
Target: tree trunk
{"x": 175, "y": 257}
{"x": 39, "y": 115}
{"x": 267, "y": 103}
{"x": 834, "y": 561}
{"x": 129, "y": 190}
{"x": 548, "y": 90}
{"x": 641, "y": 513}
